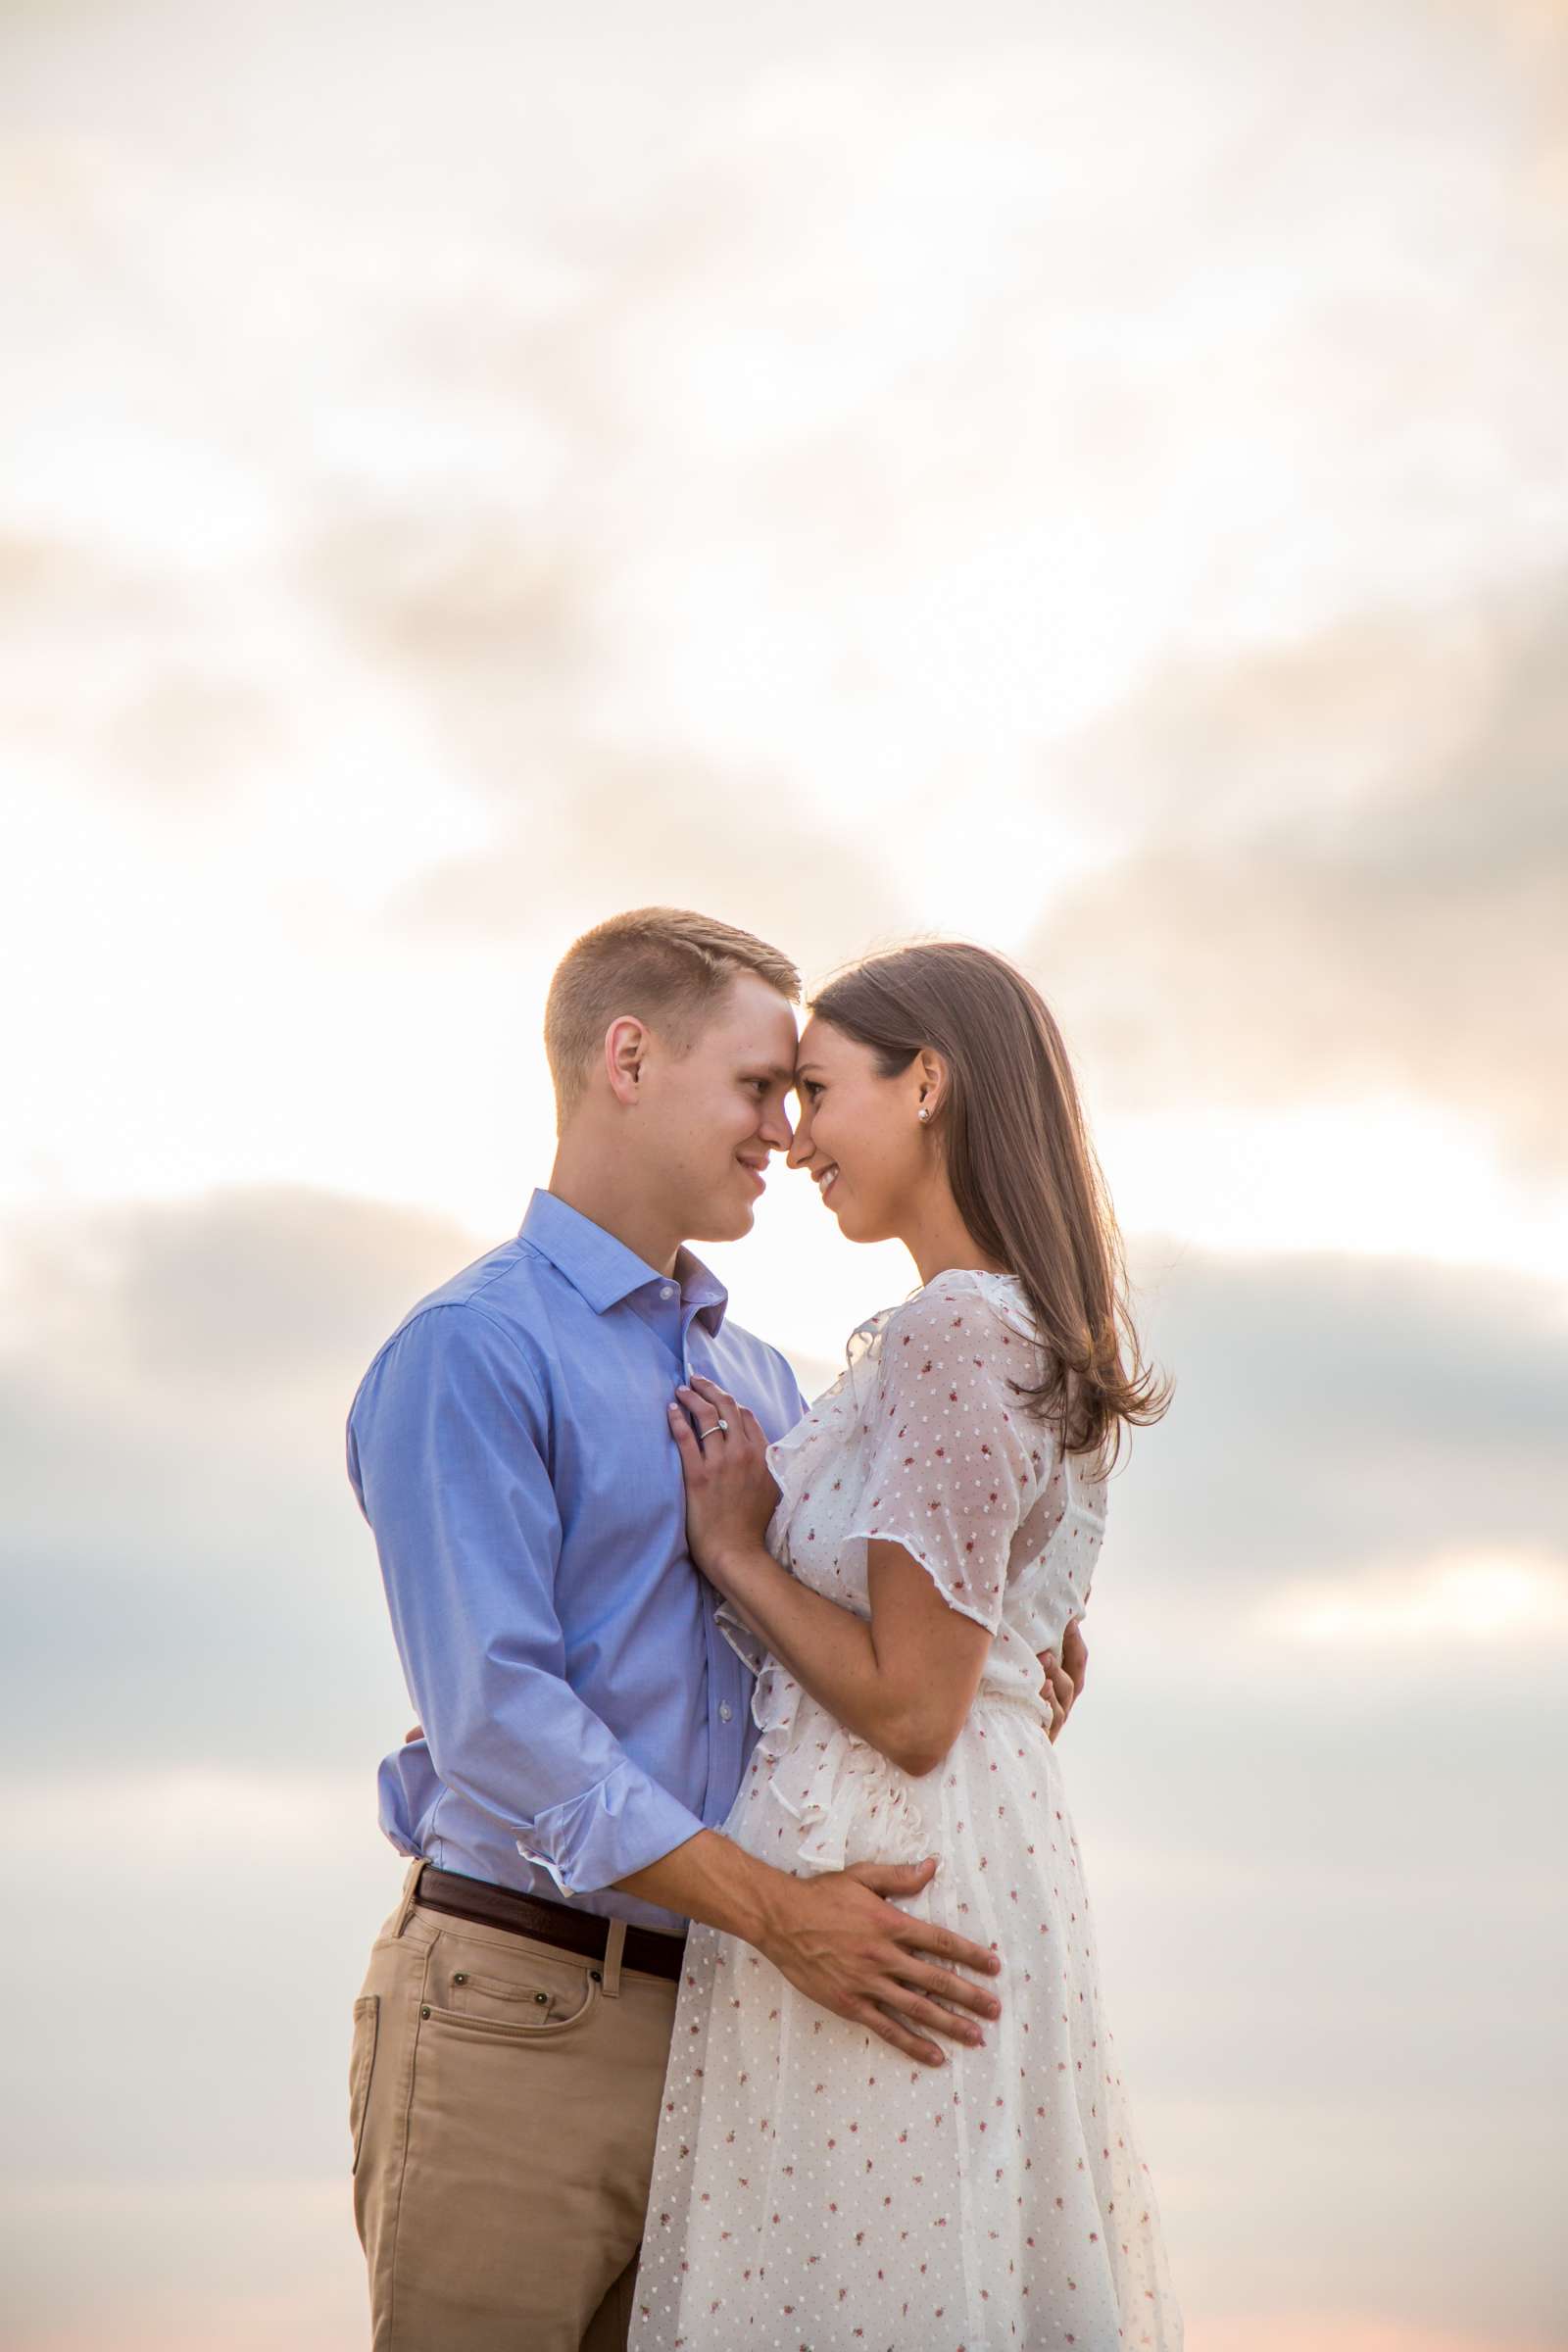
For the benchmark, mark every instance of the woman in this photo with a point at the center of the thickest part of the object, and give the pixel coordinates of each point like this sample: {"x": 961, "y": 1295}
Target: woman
{"x": 890, "y": 1569}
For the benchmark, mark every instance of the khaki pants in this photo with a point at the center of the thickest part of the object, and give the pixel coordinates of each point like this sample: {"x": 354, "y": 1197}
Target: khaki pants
{"x": 504, "y": 2101}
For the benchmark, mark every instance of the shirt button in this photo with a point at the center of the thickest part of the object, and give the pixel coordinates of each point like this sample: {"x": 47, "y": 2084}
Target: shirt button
{"x": 668, "y": 1290}
{"x": 725, "y": 1710}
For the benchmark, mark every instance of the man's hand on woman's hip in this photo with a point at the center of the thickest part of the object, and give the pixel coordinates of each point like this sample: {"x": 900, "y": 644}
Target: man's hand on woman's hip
{"x": 845, "y": 1944}
{"x": 841, "y": 1938}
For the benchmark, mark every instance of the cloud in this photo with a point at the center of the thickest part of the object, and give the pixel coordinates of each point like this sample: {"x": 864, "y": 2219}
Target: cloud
{"x": 250, "y": 1291}
{"x": 719, "y": 482}
{"x": 189, "y": 1575}
{"x": 176, "y": 1377}
{"x": 1337, "y": 1417}
{"x": 461, "y": 589}
{"x": 600, "y": 832}
{"x": 174, "y": 2265}
{"x": 1354, "y": 2330}
{"x": 181, "y": 2107}
{"x": 817, "y": 449}
{"x": 1496, "y": 1596}
{"x": 168, "y": 713}
{"x": 1293, "y": 1849}
{"x": 1354, "y": 864}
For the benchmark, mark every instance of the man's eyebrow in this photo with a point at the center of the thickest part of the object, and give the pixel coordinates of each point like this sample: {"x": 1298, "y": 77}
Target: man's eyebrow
{"x": 779, "y": 1072}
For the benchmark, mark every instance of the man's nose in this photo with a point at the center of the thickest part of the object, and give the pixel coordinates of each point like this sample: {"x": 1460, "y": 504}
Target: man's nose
{"x": 777, "y": 1133}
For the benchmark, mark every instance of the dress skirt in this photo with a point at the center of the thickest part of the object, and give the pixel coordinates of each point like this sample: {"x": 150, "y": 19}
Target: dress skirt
{"x": 814, "y": 2189}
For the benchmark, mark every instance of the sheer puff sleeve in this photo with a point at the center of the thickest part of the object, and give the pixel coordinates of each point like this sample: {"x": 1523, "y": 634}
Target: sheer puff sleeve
{"x": 948, "y": 1470}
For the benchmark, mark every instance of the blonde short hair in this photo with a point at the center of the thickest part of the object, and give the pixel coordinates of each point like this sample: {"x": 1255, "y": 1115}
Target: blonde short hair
{"x": 666, "y": 965}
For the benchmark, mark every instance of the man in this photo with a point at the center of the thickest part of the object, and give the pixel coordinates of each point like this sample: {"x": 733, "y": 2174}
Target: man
{"x": 584, "y": 1725}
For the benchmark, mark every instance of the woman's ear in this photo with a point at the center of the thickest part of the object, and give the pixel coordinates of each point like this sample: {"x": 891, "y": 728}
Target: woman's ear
{"x": 931, "y": 1076}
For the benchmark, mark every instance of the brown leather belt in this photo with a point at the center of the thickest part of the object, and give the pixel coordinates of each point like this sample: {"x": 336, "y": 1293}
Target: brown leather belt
{"x": 582, "y": 1931}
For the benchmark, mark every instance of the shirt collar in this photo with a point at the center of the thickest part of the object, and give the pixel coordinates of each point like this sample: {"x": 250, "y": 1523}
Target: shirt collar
{"x": 604, "y": 1271}
{"x": 701, "y": 1288}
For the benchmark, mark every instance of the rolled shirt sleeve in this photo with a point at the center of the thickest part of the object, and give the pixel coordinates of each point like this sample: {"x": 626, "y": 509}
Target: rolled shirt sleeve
{"x": 448, "y": 1454}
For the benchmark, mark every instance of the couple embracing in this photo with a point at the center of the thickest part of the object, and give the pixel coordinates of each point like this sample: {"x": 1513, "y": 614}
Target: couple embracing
{"x": 743, "y": 1988}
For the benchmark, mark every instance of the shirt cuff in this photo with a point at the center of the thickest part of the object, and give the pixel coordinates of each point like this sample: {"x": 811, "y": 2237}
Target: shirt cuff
{"x": 623, "y": 1824}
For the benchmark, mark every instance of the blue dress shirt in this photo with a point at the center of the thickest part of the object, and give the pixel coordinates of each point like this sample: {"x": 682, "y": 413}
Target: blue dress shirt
{"x": 508, "y": 1445}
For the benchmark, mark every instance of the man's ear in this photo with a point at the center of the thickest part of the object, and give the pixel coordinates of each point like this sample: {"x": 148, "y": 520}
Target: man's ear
{"x": 626, "y": 1042}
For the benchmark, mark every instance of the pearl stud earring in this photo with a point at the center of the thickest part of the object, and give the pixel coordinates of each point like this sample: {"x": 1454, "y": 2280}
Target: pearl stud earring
{"x": 924, "y": 1113}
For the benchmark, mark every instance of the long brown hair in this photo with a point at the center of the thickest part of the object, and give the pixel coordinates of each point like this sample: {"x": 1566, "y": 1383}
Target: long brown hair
{"x": 1024, "y": 1174}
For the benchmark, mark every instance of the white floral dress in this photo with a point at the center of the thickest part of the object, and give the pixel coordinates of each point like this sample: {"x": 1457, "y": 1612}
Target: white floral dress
{"x": 811, "y": 2187}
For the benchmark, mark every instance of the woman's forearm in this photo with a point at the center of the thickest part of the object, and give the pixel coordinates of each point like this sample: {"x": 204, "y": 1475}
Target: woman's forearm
{"x": 829, "y": 1650}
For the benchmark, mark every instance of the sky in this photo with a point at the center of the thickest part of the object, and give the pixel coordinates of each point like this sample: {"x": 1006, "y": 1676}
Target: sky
{"x": 1096, "y": 484}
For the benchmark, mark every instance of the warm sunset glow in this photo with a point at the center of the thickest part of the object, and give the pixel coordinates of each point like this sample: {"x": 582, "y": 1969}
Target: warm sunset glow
{"x": 1491, "y": 1599}
{"x": 1092, "y": 482}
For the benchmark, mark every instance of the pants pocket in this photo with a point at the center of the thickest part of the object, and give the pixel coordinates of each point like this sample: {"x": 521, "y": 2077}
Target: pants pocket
{"x": 362, "y": 2061}
{"x": 505, "y": 2019}
{"x": 538, "y": 1992}
{"x": 541, "y": 2001}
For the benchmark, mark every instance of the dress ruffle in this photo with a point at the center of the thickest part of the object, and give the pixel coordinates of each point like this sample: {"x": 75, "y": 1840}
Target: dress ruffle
{"x": 845, "y": 1800}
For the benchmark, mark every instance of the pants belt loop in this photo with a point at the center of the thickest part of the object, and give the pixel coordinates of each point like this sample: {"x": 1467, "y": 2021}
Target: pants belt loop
{"x": 411, "y": 1892}
{"x": 614, "y": 1945}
